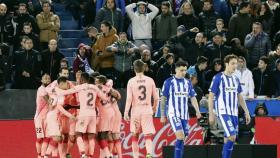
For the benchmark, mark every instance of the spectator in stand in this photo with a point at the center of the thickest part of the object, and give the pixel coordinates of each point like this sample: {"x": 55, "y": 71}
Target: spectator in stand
{"x": 207, "y": 18}
{"x": 258, "y": 43}
{"x": 92, "y": 34}
{"x": 187, "y": 17}
{"x": 6, "y": 26}
{"x": 64, "y": 63}
{"x": 276, "y": 80}
{"x": 51, "y": 60}
{"x": 240, "y": 23}
{"x": 82, "y": 59}
{"x": 176, "y": 6}
{"x": 265, "y": 17}
{"x": 151, "y": 66}
{"x": 141, "y": 22}
{"x": 273, "y": 57}
{"x": 273, "y": 4}
{"x": 197, "y": 89}
{"x": 123, "y": 52}
{"x": 166, "y": 70}
{"x": 21, "y": 43}
{"x": 4, "y": 65}
{"x": 27, "y": 67}
{"x": 245, "y": 77}
{"x": 109, "y": 12}
{"x": 215, "y": 68}
{"x": 199, "y": 70}
{"x": 36, "y": 7}
{"x": 28, "y": 31}
{"x": 220, "y": 29}
{"x": 102, "y": 60}
{"x": 164, "y": 26}
{"x": 276, "y": 39}
{"x": 255, "y": 6}
{"x": 24, "y": 17}
{"x": 237, "y": 48}
{"x": 276, "y": 20}
{"x": 217, "y": 49}
{"x": 262, "y": 78}
{"x": 76, "y": 7}
{"x": 138, "y": 54}
{"x": 119, "y": 4}
{"x": 160, "y": 55}
{"x": 227, "y": 9}
{"x": 90, "y": 13}
{"x": 49, "y": 25}
{"x": 180, "y": 43}
{"x": 196, "y": 48}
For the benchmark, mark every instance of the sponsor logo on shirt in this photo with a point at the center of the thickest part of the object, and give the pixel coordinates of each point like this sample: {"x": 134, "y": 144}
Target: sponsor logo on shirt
{"x": 230, "y": 89}
{"x": 181, "y": 94}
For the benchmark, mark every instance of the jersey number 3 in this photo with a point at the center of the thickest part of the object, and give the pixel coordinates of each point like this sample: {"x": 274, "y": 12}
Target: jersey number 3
{"x": 143, "y": 90}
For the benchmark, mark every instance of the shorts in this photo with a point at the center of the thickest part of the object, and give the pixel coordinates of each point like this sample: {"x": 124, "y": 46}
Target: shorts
{"x": 40, "y": 127}
{"x": 64, "y": 124}
{"x": 178, "y": 124}
{"x": 116, "y": 124}
{"x": 142, "y": 122}
{"x": 86, "y": 124}
{"x": 230, "y": 124}
{"x": 53, "y": 127}
{"x": 106, "y": 119}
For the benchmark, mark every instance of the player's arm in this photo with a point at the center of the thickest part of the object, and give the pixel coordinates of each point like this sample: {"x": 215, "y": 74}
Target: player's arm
{"x": 116, "y": 94}
{"x": 128, "y": 101}
{"x": 196, "y": 107}
{"x": 64, "y": 112}
{"x": 165, "y": 95}
{"x": 155, "y": 97}
{"x": 244, "y": 107}
{"x": 210, "y": 107}
{"x": 61, "y": 92}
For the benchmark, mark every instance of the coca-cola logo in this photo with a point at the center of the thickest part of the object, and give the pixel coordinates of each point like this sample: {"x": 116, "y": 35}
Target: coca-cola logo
{"x": 164, "y": 136}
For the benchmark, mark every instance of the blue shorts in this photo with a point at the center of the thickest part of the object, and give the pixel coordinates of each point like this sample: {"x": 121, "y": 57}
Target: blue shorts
{"x": 230, "y": 124}
{"x": 178, "y": 124}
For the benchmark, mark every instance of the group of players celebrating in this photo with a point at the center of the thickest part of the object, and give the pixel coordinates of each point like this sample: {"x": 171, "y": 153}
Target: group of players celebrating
{"x": 87, "y": 112}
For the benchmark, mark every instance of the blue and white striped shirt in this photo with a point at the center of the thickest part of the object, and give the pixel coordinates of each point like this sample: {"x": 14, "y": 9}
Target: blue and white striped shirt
{"x": 177, "y": 91}
{"x": 226, "y": 90}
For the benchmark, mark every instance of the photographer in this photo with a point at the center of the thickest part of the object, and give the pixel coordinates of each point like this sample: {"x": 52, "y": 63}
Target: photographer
{"x": 123, "y": 52}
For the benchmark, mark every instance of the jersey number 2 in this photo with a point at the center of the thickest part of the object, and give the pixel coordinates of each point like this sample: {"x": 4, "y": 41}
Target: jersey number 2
{"x": 143, "y": 90}
{"x": 90, "y": 99}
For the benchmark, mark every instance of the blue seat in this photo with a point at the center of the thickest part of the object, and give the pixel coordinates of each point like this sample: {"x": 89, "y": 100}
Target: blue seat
{"x": 68, "y": 25}
{"x": 69, "y": 52}
{"x": 68, "y": 43}
{"x": 73, "y": 34}
{"x": 58, "y": 7}
{"x": 70, "y": 61}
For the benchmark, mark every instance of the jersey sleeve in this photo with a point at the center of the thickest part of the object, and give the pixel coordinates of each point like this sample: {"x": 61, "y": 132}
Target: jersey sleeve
{"x": 191, "y": 92}
{"x": 165, "y": 88}
{"x": 214, "y": 87}
{"x": 239, "y": 88}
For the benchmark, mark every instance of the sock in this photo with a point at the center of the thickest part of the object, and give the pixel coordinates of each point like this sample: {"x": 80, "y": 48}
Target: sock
{"x": 111, "y": 145}
{"x": 227, "y": 149}
{"x": 44, "y": 146}
{"x": 135, "y": 147}
{"x": 86, "y": 144}
{"x": 80, "y": 144}
{"x": 118, "y": 147}
{"x": 91, "y": 145}
{"x": 149, "y": 144}
{"x": 179, "y": 149}
{"x": 104, "y": 146}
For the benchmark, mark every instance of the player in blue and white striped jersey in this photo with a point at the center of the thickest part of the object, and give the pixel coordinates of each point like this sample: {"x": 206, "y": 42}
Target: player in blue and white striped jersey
{"x": 175, "y": 93}
{"x": 225, "y": 96}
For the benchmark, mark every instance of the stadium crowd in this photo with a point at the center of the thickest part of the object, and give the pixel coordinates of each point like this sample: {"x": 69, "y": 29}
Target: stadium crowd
{"x": 159, "y": 33}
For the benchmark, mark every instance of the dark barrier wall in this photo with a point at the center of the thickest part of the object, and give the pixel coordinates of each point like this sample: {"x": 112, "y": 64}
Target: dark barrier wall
{"x": 214, "y": 151}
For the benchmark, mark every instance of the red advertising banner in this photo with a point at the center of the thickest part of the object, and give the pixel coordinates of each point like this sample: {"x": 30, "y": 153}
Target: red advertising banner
{"x": 268, "y": 131}
{"x": 17, "y": 139}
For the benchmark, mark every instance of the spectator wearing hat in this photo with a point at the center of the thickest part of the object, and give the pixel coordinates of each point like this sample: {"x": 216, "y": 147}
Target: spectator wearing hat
{"x": 207, "y": 18}
{"x": 245, "y": 77}
{"x": 215, "y": 68}
{"x": 240, "y": 23}
{"x": 262, "y": 78}
{"x": 180, "y": 43}
{"x": 276, "y": 79}
{"x": 199, "y": 70}
{"x": 164, "y": 26}
{"x": 51, "y": 60}
{"x": 217, "y": 49}
{"x": 258, "y": 43}
{"x": 166, "y": 70}
{"x": 123, "y": 52}
{"x": 81, "y": 61}
{"x": 141, "y": 22}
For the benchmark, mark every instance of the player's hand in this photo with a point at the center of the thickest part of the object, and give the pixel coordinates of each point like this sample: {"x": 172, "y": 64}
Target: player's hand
{"x": 198, "y": 115}
{"x": 211, "y": 119}
{"x": 126, "y": 117}
{"x": 248, "y": 118}
{"x": 154, "y": 109}
{"x": 163, "y": 119}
